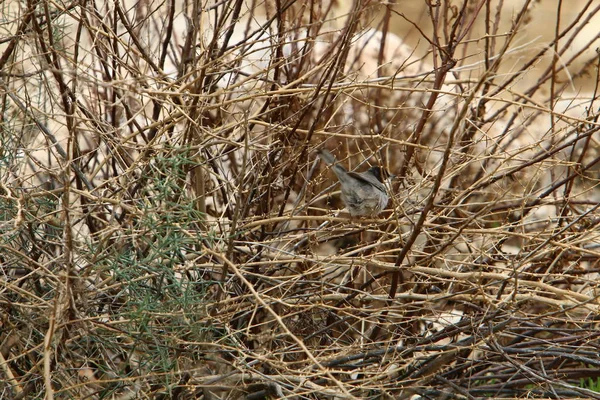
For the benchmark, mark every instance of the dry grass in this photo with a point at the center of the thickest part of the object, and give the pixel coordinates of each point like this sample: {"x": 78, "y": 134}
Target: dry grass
{"x": 167, "y": 231}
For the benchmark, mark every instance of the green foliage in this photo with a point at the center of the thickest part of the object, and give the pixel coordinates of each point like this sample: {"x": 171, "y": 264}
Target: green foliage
{"x": 590, "y": 383}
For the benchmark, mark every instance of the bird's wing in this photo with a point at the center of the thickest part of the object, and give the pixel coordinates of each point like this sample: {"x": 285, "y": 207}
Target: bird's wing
{"x": 368, "y": 178}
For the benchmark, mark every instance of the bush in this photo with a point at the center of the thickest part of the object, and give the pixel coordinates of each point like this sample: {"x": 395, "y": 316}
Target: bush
{"x": 167, "y": 230}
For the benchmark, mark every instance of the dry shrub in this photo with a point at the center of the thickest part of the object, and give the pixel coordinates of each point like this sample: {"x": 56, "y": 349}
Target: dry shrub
{"x": 167, "y": 230}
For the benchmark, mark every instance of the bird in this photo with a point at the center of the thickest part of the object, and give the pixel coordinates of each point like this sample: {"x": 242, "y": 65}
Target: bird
{"x": 363, "y": 193}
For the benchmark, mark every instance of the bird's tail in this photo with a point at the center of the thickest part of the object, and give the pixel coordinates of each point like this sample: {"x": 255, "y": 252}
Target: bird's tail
{"x": 326, "y": 156}
{"x": 330, "y": 160}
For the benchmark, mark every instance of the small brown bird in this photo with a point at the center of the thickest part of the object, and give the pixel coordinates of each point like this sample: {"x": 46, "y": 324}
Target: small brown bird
{"x": 363, "y": 193}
